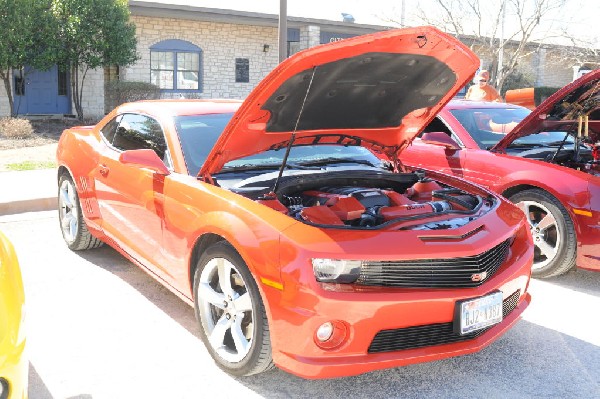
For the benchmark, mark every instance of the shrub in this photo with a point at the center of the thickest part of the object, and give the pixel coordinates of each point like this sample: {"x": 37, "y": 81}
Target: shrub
{"x": 118, "y": 92}
{"x": 15, "y": 128}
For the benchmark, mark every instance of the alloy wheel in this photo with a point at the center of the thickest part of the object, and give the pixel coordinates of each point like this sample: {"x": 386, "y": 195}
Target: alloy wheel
{"x": 544, "y": 230}
{"x": 225, "y": 308}
{"x": 68, "y": 211}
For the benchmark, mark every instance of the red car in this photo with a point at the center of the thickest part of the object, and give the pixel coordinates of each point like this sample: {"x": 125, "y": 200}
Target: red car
{"x": 297, "y": 246}
{"x": 547, "y": 162}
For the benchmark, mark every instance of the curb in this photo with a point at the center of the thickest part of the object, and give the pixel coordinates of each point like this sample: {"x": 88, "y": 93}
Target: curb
{"x": 31, "y": 205}
{"x": 28, "y": 191}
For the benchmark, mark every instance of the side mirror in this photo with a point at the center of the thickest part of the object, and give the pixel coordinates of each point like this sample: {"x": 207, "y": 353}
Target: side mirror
{"x": 440, "y": 139}
{"x": 145, "y": 159}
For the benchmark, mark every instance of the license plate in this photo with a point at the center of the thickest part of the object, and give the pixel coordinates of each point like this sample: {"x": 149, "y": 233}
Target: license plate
{"x": 478, "y": 313}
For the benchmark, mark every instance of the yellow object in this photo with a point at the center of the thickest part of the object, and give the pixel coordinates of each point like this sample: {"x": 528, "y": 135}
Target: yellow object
{"x": 14, "y": 367}
{"x": 582, "y": 212}
{"x": 272, "y": 283}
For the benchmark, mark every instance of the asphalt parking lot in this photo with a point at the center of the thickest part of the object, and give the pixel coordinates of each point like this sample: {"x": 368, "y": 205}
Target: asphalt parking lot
{"x": 99, "y": 327}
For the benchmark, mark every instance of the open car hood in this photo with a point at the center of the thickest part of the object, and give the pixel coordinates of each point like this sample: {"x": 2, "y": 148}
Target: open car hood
{"x": 561, "y": 111}
{"x": 382, "y": 88}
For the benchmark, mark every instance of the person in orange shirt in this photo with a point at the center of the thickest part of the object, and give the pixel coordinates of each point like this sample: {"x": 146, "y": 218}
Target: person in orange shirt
{"x": 482, "y": 91}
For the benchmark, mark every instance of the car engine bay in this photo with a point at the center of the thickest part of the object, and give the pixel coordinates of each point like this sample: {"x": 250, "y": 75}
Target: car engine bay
{"x": 578, "y": 115}
{"x": 369, "y": 200}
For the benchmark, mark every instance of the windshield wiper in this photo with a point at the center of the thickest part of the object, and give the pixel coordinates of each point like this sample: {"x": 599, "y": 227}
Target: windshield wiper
{"x": 524, "y": 145}
{"x": 254, "y": 166}
{"x": 559, "y": 143}
{"x": 331, "y": 161}
{"x": 250, "y": 166}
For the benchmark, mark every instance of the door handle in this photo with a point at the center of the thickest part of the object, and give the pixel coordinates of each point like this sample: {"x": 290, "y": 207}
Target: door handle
{"x": 104, "y": 170}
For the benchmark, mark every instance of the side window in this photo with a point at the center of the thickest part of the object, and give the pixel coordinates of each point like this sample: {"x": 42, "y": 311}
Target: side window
{"x": 436, "y": 125}
{"x": 140, "y": 132}
{"x": 108, "y": 131}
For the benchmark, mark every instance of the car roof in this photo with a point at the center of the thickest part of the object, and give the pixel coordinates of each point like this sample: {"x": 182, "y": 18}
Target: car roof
{"x": 181, "y": 107}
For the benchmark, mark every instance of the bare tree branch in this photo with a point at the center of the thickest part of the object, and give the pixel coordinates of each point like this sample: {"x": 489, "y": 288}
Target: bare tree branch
{"x": 522, "y": 29}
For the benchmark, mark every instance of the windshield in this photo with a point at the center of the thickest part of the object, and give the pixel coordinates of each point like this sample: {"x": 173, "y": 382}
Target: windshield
{"x": 197, "y": 135}
{"x": 488, "y": 125}
{"x": 307, "y": 155}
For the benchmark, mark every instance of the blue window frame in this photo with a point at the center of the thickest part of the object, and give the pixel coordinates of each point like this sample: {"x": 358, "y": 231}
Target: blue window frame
{"x": 176, "y": 65}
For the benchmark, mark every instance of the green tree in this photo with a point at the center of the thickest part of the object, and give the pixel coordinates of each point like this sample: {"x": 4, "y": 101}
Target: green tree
{"x": 92, "y": 34}
{"x": 26, "y": 27}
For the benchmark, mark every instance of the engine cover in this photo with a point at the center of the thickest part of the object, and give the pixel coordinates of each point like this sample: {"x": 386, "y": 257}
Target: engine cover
{"x": 368, "y": 197}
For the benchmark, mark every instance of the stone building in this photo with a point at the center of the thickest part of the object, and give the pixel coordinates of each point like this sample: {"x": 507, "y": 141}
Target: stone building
{"x": 189, "y": 52}
{"x": 196, "y": 52}
{"x": 228, "y": 52}
{"x": 541, "y": 64}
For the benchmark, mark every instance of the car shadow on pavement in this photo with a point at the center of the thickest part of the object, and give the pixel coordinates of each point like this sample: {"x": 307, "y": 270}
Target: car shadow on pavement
{"x": 580, "y": 280}
{"x": 37, "y": 387}
{"x": 530, "y": 361}
{"x": 112, "y": 261}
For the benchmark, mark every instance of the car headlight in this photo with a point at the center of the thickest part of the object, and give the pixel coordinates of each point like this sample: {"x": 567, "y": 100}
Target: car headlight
{"x": 336, "y": 270}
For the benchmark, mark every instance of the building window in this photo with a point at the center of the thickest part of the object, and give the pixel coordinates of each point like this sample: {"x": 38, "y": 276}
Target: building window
{"x": 19, "y": 86}
{"x": 242, "y": 70}
{"x": 62, "y": 82}
{"x": 293, "y": 44}
{"x": 111, "y": 73}
{"x": 162, "y": 69}
{"x": 176, "y": 65}
{"x": 188, "y": 67}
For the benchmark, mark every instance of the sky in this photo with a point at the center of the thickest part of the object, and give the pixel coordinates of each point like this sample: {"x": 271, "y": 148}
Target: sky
{"x": 579, "y": 16}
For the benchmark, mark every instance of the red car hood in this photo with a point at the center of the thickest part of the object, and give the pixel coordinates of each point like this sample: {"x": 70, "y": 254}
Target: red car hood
{"x": 562, "y": 110}
{"x": 380, "y": 89}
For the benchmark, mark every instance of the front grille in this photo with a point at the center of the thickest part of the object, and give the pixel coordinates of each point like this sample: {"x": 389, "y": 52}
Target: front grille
{"x": 432, "y": 334}
{"x": 434, "y": 273}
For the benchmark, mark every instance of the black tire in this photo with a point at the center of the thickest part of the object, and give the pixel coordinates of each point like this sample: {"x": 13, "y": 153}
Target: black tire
{"x": 250, "y": 326}
{"x": 70, "y": 217}
{"x": 555, "y": 242}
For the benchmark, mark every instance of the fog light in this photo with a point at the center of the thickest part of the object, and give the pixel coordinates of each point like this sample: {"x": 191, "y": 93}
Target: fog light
{"x": 325, "y": 331}
{"x": 331, "y": 334}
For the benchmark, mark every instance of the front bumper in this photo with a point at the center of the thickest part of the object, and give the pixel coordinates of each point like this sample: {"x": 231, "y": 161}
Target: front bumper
{"x": 304, "y": 305}
{"x": 352, "y": 364}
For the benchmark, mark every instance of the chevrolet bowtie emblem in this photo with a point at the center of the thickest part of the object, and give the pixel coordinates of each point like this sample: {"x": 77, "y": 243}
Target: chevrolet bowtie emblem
{"x": 478, "y": 276}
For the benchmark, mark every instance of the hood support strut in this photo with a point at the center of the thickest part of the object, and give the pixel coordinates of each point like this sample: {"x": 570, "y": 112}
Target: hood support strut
{"x": 273, "y": 193}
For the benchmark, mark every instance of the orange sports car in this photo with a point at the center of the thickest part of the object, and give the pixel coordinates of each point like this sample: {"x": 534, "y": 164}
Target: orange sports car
{"x": 278, "y": 220}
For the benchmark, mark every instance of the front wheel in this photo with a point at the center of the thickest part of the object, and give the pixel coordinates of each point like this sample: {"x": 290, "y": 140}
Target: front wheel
{"x": 552, "y": 230}
{"x": 233, "y": 321}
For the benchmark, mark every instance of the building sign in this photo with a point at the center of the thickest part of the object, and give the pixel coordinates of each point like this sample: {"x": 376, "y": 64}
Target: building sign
{"x": 242, "y": 70}
{"x": 330, "y": 37}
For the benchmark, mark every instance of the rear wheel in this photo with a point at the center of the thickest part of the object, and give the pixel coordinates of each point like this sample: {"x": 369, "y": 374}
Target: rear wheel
{"x": 552, "y": 230}
{"x": 72, "y": 225}
{"x": 233, "y": 321}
